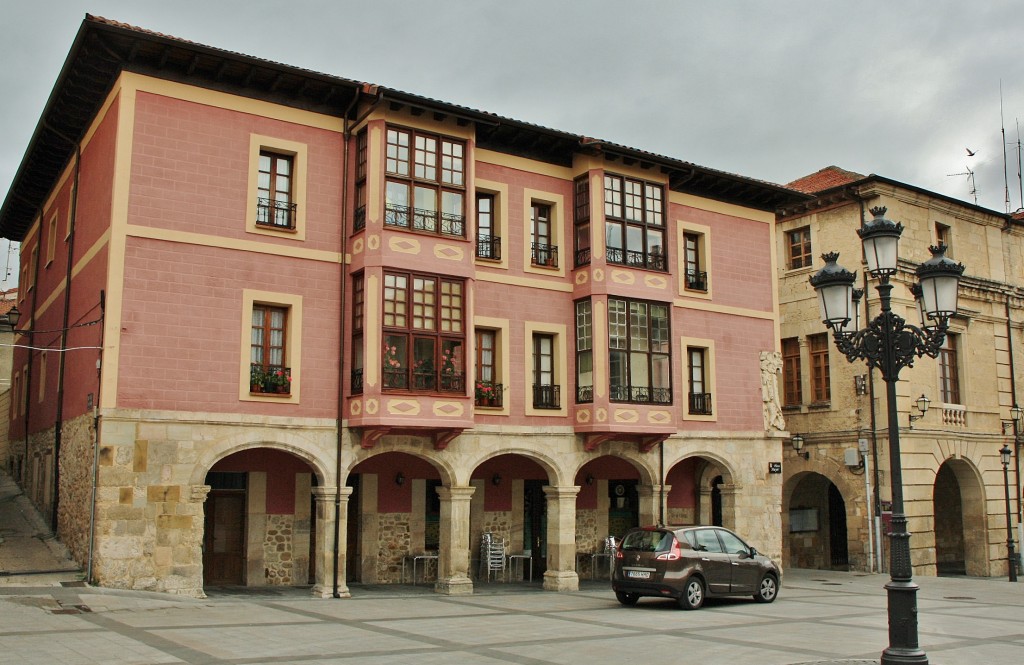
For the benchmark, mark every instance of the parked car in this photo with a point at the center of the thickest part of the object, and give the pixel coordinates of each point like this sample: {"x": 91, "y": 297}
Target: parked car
{"x": 689, "y": 564}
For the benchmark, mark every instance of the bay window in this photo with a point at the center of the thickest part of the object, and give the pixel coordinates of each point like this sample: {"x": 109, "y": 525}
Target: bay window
{"x": 639, "y": 351}
{"x": 425, "y": 183}
{"x": 634, "y": 223}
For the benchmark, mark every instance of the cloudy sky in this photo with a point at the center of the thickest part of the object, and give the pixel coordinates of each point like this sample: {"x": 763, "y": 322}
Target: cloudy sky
{"x": 771, "y": 89}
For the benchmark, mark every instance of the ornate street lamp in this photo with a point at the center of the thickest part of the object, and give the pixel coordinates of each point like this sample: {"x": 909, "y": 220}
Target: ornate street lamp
{"x": 1011, "y": 558}
{"x": 889, "y": 344}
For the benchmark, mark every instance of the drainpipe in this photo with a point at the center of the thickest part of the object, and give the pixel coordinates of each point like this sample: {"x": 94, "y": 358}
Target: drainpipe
{"x": 1016, "y": 433}
{"x": 96, "y": 439}
{"x": 346, "y": 138}
{"x": 59, "y": 418}
{"x": 27, "y": 382}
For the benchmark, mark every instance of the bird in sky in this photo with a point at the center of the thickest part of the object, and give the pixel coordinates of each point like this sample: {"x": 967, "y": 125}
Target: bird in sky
{"x": 971, "y": 153}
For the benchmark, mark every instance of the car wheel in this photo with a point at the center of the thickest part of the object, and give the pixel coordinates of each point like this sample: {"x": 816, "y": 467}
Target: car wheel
{"x": 767, "y": 590}
{"x": 627, "y": 599}
{"x": 693, "y": 594}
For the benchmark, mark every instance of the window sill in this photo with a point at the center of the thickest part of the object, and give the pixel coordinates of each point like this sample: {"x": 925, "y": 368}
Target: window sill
{"x": 820, "y": 406}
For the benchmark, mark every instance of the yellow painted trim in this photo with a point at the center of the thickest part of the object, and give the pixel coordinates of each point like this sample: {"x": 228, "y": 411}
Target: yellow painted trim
{"x": 599, "y": 346}
{"x": 723, "y": 309}
{"x": 557, "y": 203}
{"x": 710, "y": 371}
{"x": 597, "y": 219}
{"x": 118, "y": 238}
{"x": 293, "y": 349}
{"x": 523, "y": 164}
{"x": 375, "y": 146}
{"x": 51, "y": 238}
{"x": 504, "y": 357}
{"x": 559, "y": 351}
{"x": 523, "y": 281}
{"x": 222, "y": 100}
{"x": 447, "y": 128}
{"x": 500, "y": 191}
{"x": 42, "y": 377}
{"x": 704, "y": 252}
{"x": 633, "y": 173}
{"x": 79, "y": 266}
{"x": 721, "y": 207}
{"x": 220, "y": 242}
{"x": 300, "y": 174}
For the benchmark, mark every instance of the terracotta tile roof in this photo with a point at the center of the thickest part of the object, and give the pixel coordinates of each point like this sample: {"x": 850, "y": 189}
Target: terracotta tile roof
{"x": 826, "y": 178}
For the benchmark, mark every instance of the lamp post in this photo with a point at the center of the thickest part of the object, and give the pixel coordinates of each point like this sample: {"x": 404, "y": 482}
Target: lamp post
{"x": 889, "y": 344}
{"x": 1011, "y": 559}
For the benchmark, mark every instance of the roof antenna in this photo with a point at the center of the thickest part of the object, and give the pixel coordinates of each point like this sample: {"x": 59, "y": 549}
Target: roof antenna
{"x": 1020, "y": 180}
{"x": 1002, "y": 128}
{"x": 970, "y": 179}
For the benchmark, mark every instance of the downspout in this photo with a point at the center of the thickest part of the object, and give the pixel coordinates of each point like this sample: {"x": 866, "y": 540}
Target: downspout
{"x": 96, "y": 439}
{"x": 1016, "y": 433}
{"x": 59, "y": 418}
{"x": 346, "y": 137}
{"x": 27, "y": 383}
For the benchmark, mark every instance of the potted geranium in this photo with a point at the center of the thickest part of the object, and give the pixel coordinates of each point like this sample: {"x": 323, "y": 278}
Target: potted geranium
{"x": 281, "y": 380}
{"x": 257, "y": 378}
{"x": 485, "y": 393}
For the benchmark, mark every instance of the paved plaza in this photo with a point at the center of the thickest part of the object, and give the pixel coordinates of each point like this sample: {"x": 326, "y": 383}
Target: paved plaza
{"x": 820, "y": 616}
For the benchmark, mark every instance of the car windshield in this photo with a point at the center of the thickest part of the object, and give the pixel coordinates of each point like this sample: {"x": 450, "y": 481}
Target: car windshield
{"x": 647, "y": 541}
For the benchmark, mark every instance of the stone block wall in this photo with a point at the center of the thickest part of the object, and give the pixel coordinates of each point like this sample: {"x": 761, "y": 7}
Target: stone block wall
{"x": 394, "y": 541}
{"x": 279, "y": 552}
{"x": 76, "y": 468}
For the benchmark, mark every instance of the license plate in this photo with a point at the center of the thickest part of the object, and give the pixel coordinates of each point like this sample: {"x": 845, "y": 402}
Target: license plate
{"x": 639, "y": 574}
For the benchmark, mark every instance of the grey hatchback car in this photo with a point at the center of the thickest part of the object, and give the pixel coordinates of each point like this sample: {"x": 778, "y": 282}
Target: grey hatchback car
{"x": 689, "y": 564}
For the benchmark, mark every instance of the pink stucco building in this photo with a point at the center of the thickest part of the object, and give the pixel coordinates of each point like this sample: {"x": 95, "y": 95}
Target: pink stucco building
{"x": 289, "y": 328}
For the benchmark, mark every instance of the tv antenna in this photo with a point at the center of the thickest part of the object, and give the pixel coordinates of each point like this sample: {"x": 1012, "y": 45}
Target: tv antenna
{"x": 970, "y": 179}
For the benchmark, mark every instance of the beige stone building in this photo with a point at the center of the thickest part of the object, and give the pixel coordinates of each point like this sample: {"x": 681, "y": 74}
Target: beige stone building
{"x": 953, "y": 479}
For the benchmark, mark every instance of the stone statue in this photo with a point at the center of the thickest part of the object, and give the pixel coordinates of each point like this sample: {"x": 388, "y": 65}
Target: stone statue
{"x": 771, "y": 365}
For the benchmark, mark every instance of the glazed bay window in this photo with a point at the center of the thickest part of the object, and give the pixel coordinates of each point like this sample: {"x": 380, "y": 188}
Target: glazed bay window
{"x": 488, "y": 242}
{"x": 584, "y": 352}
{"x": 700, "y": 396}
{"x": 274, "y": 206}
{"x": 424, "y": 336}
{"x": 543, "y": 252}
{"x": 267, "y": 354}
{"x": 792, "y": 392}
{"x": 581, "y": 221}
{"x": 358, "y": 318}
{"x": 820, "y": 388}
{"x": 545, "y": 390}
{"x": 487, "y": 391}
{"x": 634, "y": 223}
{"x": 640, "y": 362}
{"x": 799, "y": 248}
{"x": 425, "y": 183}
{"x": 359, "y": 220}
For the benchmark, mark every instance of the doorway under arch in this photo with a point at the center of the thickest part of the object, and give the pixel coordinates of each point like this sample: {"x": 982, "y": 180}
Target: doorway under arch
{"x": 817, "y": 525}
{"x": 259, "y": 520}
{"x": 957, "y": 501}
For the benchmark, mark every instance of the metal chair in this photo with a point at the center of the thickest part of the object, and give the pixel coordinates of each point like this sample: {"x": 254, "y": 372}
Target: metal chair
{"x": 525, "y": 565}
{"x": 492, "y": 556}
{"x": 607, "y": 553}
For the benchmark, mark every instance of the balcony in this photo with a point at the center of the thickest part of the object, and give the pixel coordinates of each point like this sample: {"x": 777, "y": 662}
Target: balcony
{"x": 700, "y": 404}
{"x": 488, "y": 247}
{"x": 275, "y": 214}
{"x": 401, "y": 378}
{"x": 654, "y": 260}
{"x": 546, "y": 397}
{"x": 270, "y": 379}
{"x": 544, "y": 255}
{"x": 584, "y": 394}
{"x": 357, "y": 381}
{"x": 427, "y": 221}
{"x": 487, "y": 393}
{"x": 697, "y": 281}
{"x": 582, "y": 257}
{"x": 640, "y": 394}
{"x": 359, "y": 222}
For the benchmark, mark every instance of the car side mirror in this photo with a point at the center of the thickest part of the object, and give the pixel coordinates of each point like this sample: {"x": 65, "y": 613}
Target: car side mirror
{"x": 753, "y": 552}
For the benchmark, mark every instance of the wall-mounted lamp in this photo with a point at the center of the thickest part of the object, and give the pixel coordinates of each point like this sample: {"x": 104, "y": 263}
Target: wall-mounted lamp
{"x": 496, "y": 479}
{"x": 10, "y": 319}
{"x": 590, "y": 479}
{"x": 798, "y": 445}
{"x": 399, "y": 478}
{"x": 922, "y": 406}
{"x": 1017, "y": 414}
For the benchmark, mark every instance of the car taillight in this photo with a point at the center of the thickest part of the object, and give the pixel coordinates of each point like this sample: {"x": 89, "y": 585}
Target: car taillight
{"x": 619, "y": 554}
{"x": 673, "y": 554}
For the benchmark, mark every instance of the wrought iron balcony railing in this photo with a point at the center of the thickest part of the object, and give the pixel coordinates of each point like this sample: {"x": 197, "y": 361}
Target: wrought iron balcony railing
{"x": 276, "y": 214}
{"x": 488, "y": 247}
{"x": 582, "y": 257}
{"x": 357, "y": 381}
{"x": 584, "y": 394}
{"x": 697, "y": 281}
{"x": 546, "y": 397}
{"x": 429, "y": 221}
{"x": 700, "y": 404}
{"x": 628, "y": 257}
{"x": 486, "y": 393}
{"x": 270, "y": 379}
{"x": 640, "y": 394}
{"x": 423, "y": 380}
{"x": 544, "y": 255}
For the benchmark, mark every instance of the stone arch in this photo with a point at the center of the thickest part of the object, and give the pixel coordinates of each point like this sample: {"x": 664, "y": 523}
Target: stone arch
{"x": 445, "y": 469}
{"x": 555, "y": 471}
{"x": 960, "y": 525}
{"x": 209, "y": 457}
{"x": 822, "y": 505}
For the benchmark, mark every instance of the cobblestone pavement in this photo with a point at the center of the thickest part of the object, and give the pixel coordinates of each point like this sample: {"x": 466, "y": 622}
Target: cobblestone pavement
{"x": 819, "y": 617}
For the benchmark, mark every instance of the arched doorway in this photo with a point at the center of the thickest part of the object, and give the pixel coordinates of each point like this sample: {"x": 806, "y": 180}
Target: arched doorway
{"x": 699, "y": 493}
{"x": 394, "y": 513}
{"x": 817, "y": 524}
{"x": 259, "y": 520}
{"x": 510, "y": 505}
{"x": 607, "y": 506}
{"x": 957, "y": 501}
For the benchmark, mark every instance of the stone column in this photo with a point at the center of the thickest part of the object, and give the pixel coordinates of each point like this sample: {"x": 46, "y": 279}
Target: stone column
{"x": 651, "y": 506}
{"x": 196, "y": 537}
{"x": 453, "y": 557}
{"x": 325, "y": 518}
{"x": 561, "y": 556}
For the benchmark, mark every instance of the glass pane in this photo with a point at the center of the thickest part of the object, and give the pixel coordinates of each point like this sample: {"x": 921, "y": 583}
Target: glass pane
{"x": 585, "y": 369}
{"x": 451, "y": 203}
{"x": 617, "y": 371}
{"x": 394, "y": 352}
{"x": 659, "y": 329}
{"x": 613, "y": 235}
{"x": 655, "y": 242}
{"x": 639, "y": 376}
{"x": 635, "y": 238}
{"x": 638, "y": 326}
{"x": 423, "y": 354}
{"x": 397, "y": 194}
{"x": 661, "y": 371}
{"x": 426, "y": 199}
{"x": 451, "y": 357}
{"x": 617, "y": 324}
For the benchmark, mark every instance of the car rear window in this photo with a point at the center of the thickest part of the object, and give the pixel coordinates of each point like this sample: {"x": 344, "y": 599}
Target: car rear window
{"x": 647, "y": 541}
